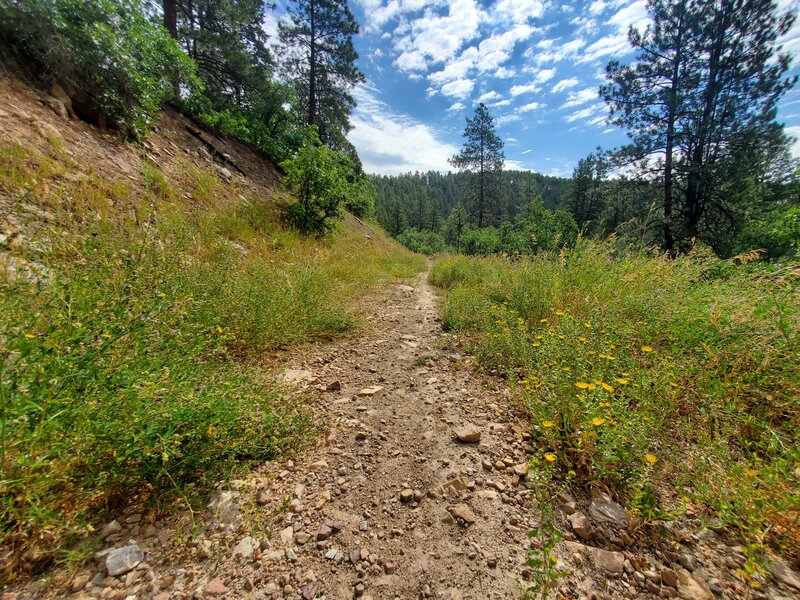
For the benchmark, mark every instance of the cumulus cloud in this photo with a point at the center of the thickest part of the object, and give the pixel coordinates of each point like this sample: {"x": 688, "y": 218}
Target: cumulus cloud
{"x": 529, "y": 107}
{"x": 390, "y": 143}
{"x": 565, "y": 84}
{"x": 581, "y": 97}
{"x": 433, "y": 37}
{"x": 490, "y": 95}
{"x": 460, "y": 88}
{"x": 794, "y": 132}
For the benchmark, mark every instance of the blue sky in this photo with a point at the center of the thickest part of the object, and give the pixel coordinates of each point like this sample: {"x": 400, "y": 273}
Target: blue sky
{"x": 536, "y": 64}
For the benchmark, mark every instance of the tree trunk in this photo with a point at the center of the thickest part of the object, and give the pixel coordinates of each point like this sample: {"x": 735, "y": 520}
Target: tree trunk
{"x": 312, "y": 79}
{"x": 171, "y": 17}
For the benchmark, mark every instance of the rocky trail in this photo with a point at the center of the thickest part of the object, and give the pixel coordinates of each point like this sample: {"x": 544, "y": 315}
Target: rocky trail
{"x": 416, "y": 490}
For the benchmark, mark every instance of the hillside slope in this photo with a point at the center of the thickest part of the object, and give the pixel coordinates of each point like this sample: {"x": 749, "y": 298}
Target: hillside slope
{"x": 149, "y": 293}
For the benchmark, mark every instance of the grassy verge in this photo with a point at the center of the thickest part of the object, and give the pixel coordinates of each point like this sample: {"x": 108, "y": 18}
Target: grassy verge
{"x": 640, "y": 372}
{"x": 134, "y": 369}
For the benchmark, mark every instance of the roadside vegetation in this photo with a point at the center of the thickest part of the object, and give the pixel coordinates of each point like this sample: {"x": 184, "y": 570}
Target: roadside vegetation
{"x": 139, "y": 365}
{"x": 671, "y": 383}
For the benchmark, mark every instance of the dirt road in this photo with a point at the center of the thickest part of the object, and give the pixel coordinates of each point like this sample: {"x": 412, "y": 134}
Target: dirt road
{"x": 389, "y": 505}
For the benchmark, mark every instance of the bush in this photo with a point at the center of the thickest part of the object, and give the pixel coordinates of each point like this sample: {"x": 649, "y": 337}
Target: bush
{"x": 424, "y": 242}
{"x": 318, "y": 178}
{"x": 104, "y": 52}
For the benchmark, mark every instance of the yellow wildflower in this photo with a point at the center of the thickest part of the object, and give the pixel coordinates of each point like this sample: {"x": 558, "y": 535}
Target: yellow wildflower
{"x": 607, "y": 387}
{"x": 651, "y": 458}
{"x": 535, "y": 344}
{"x": 647, "y": 348}
{"x": 547, "y": 423}
{"x": 581, "y": 385}
{"x": 560, "y": 313}
{"x": 550, "y": 457}
{"x": 30, "y": 336}
{"x": 598, "y": 421}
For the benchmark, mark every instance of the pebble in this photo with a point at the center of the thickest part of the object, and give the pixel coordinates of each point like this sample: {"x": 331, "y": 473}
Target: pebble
{"x": 463, "y": 512}
{"x": 605, "y": 510}
{"x": 216, "y": 587}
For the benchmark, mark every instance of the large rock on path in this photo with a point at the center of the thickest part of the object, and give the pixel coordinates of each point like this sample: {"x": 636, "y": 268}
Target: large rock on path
{"x": 468, "y": 433}
{"x": 121, "y": 560}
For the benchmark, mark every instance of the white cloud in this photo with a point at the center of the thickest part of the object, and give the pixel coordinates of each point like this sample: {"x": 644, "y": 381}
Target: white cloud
{"x": 556, "y": 54}
{"x": 456, "y": 106}
{"x": 565, "y": 84}
{"x": 506, "y": 119}
{"x": 519, "y": 11}
{"x": 434, "y": 38}
{"x": 589, "y": 112}
{"x": 490, "y": 95}
{"x": 544, "y": 75}
{"x": 389, "y": 143}
{"x": 501, "y": 103}
{"x": 526, "y": 151}
{"x": 523, "y": 89}
{"x": 530, "y": 107}
{"x": 460, "y": 88}
{"x": 794, "y": 132}
{"x": 581, "y": 97}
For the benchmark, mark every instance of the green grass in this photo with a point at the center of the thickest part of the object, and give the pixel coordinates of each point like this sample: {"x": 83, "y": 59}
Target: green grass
{"x": 137, "y": 370}
{"x": 672, "y": 383}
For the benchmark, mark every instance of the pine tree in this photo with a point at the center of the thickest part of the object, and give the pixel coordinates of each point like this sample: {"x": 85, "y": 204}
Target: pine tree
{"x": 483, "y": 156}
{"x": 584, "y": 197}
{"x": 321, "y": 64}
{"x": 454, "y": 226}
{"x": 702, "y": 95}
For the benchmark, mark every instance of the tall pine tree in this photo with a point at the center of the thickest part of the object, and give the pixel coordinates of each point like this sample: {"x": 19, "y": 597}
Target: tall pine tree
{"x": 483, "y": 156}
{"x": 321, "y": 64}
{"x": 701, "y": 96}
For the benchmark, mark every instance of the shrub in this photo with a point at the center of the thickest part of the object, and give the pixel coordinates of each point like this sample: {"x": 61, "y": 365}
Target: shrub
{"x": 105, "y": 52}
{"x": 318, "y": 178}
{"x": 424, "y": 242}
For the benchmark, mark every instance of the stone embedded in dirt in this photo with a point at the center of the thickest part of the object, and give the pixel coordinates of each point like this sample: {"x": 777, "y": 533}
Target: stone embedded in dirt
{"x": 691, "y": 587}
{"x": 162, "y": 596}
{"x": 79, "y": 583}
{"x": 608, "y": 560}
{"x": 405, "y": 288}
{"x": 468, "y": 433}
{"x": 216, "y": 587}
{"x": 463, "y": 512}
{"x": 605, "y": 510}
{"x": 287, "y": 535}
{"x": 245, "y": 548}
{"x": 581, "y": 525}
{"x": 311, "y": 589}
{"x": 333, "y": 386}
{"x": 521, "y": 469}
{"x": 331, "y": 554}
{"x": 355, "y": 555}
{"x": 324, "y": 532}
{"x": 785, "y": 574}
{"x": 491, "y": 561}
{"x": 295, "y": 376}
{"x": 455, "y": 485}
{"x": 669, "y": 578}
{"x": 320, "y": 464}
{"x": 110, "y": 529}
{"x": 122, "y": 560}
{"x": 301, "y": 538}
{"x": 225, "y": 507}
{"x": 406, "y": 495}
{"x": 370, "y": 391}
{"x": 389, "y": 568}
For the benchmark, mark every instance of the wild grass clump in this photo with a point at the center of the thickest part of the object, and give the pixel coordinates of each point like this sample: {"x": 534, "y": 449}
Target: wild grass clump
{"x": 135, "y": 369}
{"x": 639, "y": 371}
